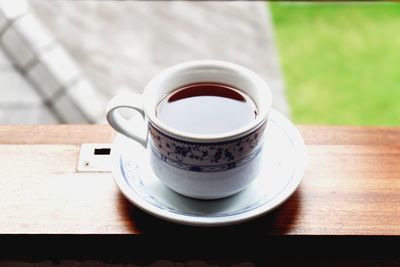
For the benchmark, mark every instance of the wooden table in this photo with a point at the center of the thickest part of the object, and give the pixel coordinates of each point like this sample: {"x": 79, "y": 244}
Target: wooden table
{"x": 350, "y": 195}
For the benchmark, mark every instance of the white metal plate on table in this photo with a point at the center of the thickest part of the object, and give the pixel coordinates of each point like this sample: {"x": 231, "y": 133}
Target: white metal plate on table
{"x": 95, "y": 157}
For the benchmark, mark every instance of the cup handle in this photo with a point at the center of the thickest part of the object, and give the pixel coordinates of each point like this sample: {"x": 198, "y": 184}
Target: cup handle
{"x": 121, "y": 124}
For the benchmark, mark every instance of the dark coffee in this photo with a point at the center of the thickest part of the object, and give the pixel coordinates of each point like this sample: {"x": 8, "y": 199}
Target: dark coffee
{"x": 206, "y": 108}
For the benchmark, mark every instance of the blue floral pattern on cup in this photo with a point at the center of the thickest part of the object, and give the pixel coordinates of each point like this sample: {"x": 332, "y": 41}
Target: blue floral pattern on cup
{"x": 206, "y": 157}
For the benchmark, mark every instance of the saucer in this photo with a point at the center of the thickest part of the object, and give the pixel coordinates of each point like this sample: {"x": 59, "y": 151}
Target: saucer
{"x": 284, "y": 162}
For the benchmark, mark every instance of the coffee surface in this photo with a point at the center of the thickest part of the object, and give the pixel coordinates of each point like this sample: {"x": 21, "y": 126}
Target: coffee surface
{"x": 206, "y": 108}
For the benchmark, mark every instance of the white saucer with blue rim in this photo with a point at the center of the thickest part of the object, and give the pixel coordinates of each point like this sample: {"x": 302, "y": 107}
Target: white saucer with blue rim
{"x": 284, "y": 162}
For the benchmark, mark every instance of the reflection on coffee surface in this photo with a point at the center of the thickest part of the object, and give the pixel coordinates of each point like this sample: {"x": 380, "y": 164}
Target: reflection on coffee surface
{"x": 206, "y": 108}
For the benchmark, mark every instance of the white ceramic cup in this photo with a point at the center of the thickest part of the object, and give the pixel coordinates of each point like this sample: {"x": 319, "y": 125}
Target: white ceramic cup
{"x": 196, "y": 165}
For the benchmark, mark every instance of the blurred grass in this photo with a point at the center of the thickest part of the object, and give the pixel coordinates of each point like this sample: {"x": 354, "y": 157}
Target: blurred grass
{"x": 341, "y": 61}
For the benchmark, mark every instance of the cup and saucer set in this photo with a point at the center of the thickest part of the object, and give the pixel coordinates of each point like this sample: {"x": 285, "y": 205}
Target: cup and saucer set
{"x": 206, "y": 174}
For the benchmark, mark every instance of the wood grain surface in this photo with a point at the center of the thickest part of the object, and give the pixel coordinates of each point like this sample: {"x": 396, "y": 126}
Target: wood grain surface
{"x": 351, "y": 187}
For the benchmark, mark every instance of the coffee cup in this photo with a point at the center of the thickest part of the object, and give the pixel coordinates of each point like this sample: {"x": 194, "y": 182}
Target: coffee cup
{"x": 203, "y": 125}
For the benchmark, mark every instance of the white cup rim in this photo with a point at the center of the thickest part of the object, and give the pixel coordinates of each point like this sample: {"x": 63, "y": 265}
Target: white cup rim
{"x": 149, "y": 108}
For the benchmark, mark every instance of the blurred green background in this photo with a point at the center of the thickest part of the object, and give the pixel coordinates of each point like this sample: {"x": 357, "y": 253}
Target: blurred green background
{"x": 341, "y": 61}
